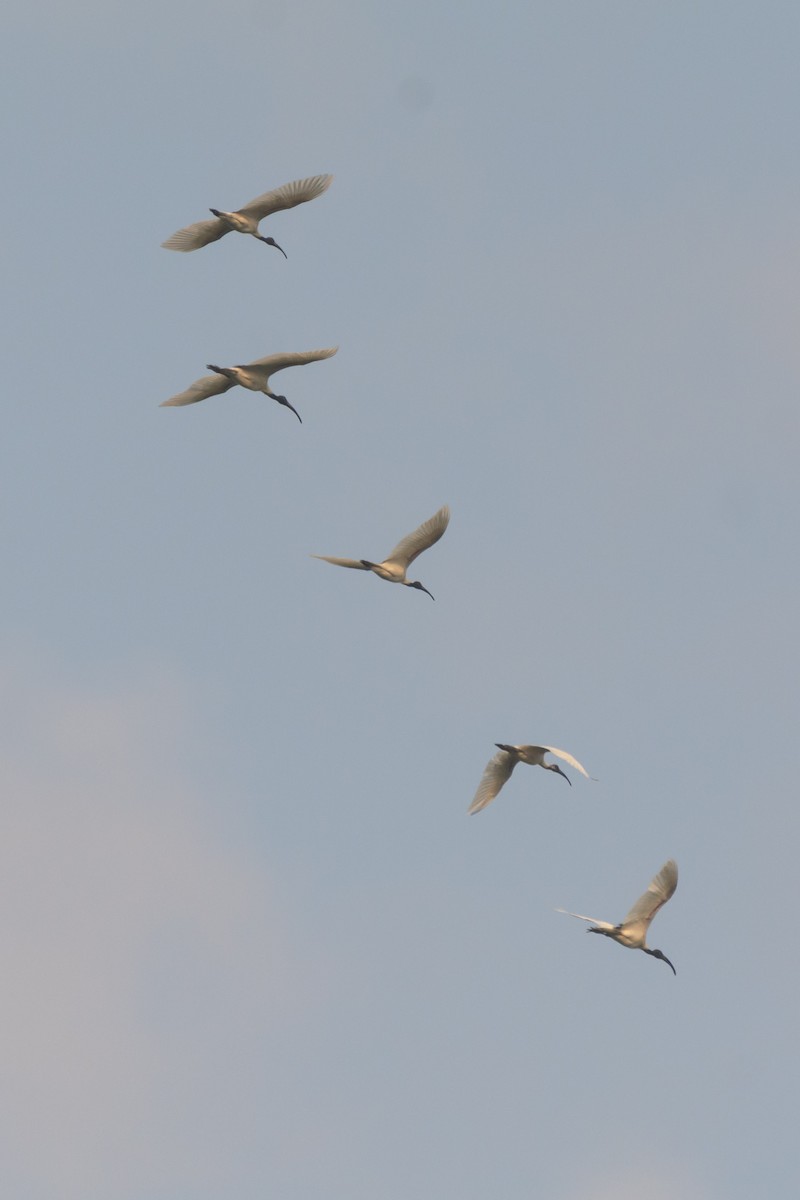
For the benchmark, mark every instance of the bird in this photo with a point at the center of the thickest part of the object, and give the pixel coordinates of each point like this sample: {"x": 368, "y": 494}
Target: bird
{"x": 498, "y": 769}
{"x": 394, "y": 566}
{"x": 246, "y": 219}
{"x": 255, "y": 376}
{"x": 633, "y": 930}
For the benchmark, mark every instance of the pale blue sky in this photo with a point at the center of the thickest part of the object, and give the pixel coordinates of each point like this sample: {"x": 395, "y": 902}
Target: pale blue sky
{"x": 253, "y": 945}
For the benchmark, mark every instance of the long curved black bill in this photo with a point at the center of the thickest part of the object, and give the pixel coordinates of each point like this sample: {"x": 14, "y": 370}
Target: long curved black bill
{"x": 272, "y": 242}
{"x": 282, "y": 400}
{"x": 660, "y": 954}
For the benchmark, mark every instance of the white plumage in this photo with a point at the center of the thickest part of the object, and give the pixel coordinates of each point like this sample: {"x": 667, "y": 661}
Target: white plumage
{"x": 394, "y": 566}
{"x": 498, "y": 769}
{"x": 632, "y": 931}
{"x": 246, "y": 219}
{"x": 255, "y": 376}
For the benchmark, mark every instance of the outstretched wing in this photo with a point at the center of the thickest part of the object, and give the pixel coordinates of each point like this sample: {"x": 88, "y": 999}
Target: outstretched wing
{"x": 573, "y": 762}
{"x": 657, "y": 894}
{"x": 202, "y": 233}
{"x": 342, "y": 562}
{"x": 209, "y": 385}
{"x": 287, "y": 196}
{"x": 606, "y": 926}
{"x": 273, "y": 363}
{"x": 421, "y": 539}
{"x": 496, "y": 773}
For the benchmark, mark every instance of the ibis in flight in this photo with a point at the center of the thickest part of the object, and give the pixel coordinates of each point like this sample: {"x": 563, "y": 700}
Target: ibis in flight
{"x": 498, "y": 769}
{"x": 255, "y": 376}
{"x": 632, "y": 932}
{"x": 246, "y": 219}
{"x": 394, "y": 566}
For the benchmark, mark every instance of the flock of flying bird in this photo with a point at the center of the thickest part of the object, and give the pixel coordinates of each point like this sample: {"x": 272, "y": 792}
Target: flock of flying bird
{"x": 256, "y": 376}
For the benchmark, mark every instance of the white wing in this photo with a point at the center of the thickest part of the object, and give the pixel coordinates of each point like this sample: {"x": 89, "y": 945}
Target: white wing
{"x": 496, "y": 773}
{"x": 197, "y": 235}
{"x": 592, "y": 920}
{"x": 573, "y": 762}
{"x": 657, "y": 894}
{"x": 273, "y": 363}
{"x": 287, "y": 196}
{"x": 209, "y": 385}
{"x": 342, "y": 562}
{"x": 414, "y": 543}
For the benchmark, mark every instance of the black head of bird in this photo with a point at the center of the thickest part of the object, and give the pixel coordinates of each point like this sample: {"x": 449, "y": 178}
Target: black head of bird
{"x": 555, "y": 767}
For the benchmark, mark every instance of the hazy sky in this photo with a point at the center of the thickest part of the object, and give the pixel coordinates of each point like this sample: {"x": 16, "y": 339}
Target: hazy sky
{"x": 252, "y": 944}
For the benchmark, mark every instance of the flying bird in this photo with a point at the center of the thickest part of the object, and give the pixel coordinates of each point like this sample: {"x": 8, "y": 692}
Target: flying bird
{"x": 498, "y": 769}
{"x": 633, "y": 930}
{"x": 246, "y": 219}
{"x": 393, "y": 568}
{"x": 255, "y": 376}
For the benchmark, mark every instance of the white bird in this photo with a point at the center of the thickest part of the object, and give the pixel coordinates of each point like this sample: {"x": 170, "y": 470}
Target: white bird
{"x": 394, "y": 566}
{"x": 255, "y": 376}
{"x": 246, "y": 219}
{"x": 498, "y": 769}
{"x": 633, "y": 930}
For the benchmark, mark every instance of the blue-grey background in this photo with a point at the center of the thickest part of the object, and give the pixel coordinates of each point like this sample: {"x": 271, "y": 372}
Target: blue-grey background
{"x": 252, "y": 944}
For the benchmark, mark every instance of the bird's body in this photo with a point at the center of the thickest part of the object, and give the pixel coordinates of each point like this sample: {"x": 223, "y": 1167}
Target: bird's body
{"x": 393, "y": 568}
{"x": 255, "y": 376}
{"x": 247, "y": 218}
{"x": 632, "y": 932}
{"x": 498, "y": 769}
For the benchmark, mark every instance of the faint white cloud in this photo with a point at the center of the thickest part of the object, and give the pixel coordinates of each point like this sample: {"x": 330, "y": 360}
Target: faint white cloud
{"x": 144, "y": 956}
{"x": 640, "y": 1182}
